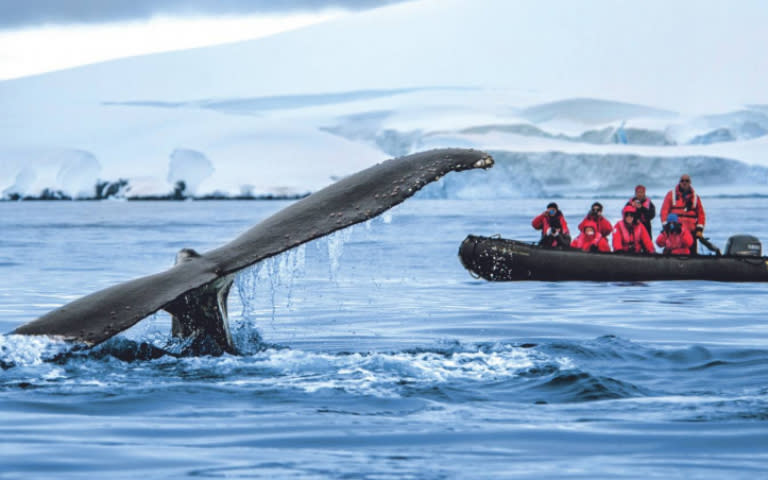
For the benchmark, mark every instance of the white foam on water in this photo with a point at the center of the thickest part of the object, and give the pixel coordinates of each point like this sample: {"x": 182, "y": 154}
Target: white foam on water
{"x": 383, "y": 374}
{"x": 30, "y": 350}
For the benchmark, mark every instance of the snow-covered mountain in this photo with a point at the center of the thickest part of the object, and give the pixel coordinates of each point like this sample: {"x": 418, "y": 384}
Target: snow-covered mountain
{"x": 572, "y": 97}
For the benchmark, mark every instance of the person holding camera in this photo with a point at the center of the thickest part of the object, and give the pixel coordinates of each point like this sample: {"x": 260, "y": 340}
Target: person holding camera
{"x": 686, "y": 204}
{"x": 629, "y": 235}
{"x": 674, "y": 239}
{"x": 646, "y": 210}
{"x": 554, "y": 228}
{"x": 595, "y": 215}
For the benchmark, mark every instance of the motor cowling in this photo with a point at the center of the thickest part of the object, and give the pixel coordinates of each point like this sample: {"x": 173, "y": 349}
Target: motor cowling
{"x": 744, "y": 246}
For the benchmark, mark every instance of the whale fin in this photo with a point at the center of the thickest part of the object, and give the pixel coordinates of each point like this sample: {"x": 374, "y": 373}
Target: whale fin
{"x": 96, "y": 317}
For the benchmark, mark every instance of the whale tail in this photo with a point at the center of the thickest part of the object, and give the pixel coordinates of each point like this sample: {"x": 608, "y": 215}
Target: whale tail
{"x": 194, "y": 290}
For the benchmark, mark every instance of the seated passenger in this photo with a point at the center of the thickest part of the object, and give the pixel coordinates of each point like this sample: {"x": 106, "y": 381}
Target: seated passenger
{"x": 590, "y": 240}
{"x": 629, "y": 235}
{"x": 595, "y": 214}
{"x": 554, "y": 228}
{"x": 674, "y": 239}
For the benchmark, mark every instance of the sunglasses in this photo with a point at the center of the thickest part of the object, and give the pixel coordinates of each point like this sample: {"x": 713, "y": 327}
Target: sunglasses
{"x": 683, "y": 180}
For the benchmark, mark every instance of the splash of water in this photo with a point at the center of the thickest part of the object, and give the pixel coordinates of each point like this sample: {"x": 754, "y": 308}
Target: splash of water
{"x": 30, "y": 350}
{"x": 390, "y": 374}
{"x": 278, "y": 272}
{"x": 335, "y": 244}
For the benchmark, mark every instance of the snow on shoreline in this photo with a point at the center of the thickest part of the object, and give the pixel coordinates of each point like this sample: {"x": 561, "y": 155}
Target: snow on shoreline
{"x": 283, "y": 116}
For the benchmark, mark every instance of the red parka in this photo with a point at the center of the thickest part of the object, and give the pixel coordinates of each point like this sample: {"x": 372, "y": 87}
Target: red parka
{"x": 543, "y": 222}
{"x": 675, "y": 243}
{"x": 602, "y": 223}
{"x": 687, "y": 206}
{"x": 633, "y": 238}
{"x": 590, "y": 242}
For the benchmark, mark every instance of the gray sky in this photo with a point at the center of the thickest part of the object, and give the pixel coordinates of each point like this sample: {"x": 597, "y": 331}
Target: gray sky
{"x": 30, "y": 13}
{"x": 38, "y": 36}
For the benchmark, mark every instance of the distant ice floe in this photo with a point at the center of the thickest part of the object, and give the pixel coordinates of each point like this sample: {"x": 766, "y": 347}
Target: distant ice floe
{"x": 552, "y": 149}
{"x": 189, "y": 167}
{"x": 569, "y": 147}
{"x": 286, "y": 115}
{"x": 558, "y": 174}
{"x": 64, "y": 173}
{"x": 590, "y": 111}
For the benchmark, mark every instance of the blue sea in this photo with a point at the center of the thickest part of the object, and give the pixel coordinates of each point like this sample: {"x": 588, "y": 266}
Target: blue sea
{"x": 373, "y": 354}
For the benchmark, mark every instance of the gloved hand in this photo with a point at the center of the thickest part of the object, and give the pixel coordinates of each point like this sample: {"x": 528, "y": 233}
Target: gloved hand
{"x": 665, "y": 227}
{"x": 699, "y": 232}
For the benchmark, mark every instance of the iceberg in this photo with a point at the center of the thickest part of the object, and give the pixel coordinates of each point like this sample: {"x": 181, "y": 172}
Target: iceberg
{"x": 604, "y": 83}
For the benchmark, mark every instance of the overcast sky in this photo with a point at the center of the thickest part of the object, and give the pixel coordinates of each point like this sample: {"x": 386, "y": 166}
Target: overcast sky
{"x": 26, "y": 13}
{"x": 38, "y": 36}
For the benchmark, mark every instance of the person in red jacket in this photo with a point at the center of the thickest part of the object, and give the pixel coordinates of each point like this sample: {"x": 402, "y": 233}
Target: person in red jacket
{"x": 629, "y": 234}
{"x": 595, "y": 215}
{"x": 674, "y": 239}
{"x": 554, "y": 228}
{"x": 686, "y": 204}
{"x": 590, "y": 240}
{"x": 646, "y": 210}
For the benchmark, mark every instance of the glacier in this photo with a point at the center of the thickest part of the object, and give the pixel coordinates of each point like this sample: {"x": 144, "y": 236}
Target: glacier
{"x": 571, "y": 98}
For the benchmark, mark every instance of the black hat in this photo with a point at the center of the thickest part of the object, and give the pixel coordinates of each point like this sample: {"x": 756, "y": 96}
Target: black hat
{"x": 597, "y": 204}
{"x": 552, "y": 205}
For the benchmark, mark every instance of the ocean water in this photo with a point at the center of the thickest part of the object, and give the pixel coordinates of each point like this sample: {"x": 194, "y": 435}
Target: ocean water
{"x": 372, "y": 354}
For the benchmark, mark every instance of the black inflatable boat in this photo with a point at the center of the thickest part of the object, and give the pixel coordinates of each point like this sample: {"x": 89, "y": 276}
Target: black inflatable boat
{"x": 498, "y": 259}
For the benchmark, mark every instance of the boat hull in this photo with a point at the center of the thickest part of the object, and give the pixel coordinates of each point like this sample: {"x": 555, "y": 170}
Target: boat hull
{"x": 498, "y": 259}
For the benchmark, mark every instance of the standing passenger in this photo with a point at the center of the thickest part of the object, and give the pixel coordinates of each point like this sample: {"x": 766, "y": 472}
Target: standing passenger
{"x": 629, "y": 234}
{"x": 686, "y": 204}
{"x": 595, "y": 215}
{"x": 646, "y": 210}
{"x": 554, "y": 228}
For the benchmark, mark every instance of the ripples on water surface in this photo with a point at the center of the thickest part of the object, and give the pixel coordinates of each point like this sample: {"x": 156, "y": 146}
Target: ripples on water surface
{"x": 373, "y": 354}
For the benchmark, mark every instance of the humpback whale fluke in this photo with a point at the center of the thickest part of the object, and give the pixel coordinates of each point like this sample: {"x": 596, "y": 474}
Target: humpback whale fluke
{"x": 199, "y": 317}
{"x": 194, "y": 290}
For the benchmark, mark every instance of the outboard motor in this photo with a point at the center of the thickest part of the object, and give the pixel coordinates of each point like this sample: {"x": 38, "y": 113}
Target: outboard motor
{"x": 744, "y": 246}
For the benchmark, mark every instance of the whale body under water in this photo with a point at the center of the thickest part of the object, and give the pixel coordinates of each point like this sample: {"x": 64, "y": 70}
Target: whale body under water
{"x": 194, "y": 291}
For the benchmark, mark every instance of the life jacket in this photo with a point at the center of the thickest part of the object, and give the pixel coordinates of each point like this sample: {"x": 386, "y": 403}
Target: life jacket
{"x": 635, "y": 240}
{"x": 586, "y": 243}
{"x": 603, "y": 225}
{"x": 688, "y": 208}
{"x": 675, "y": 243}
